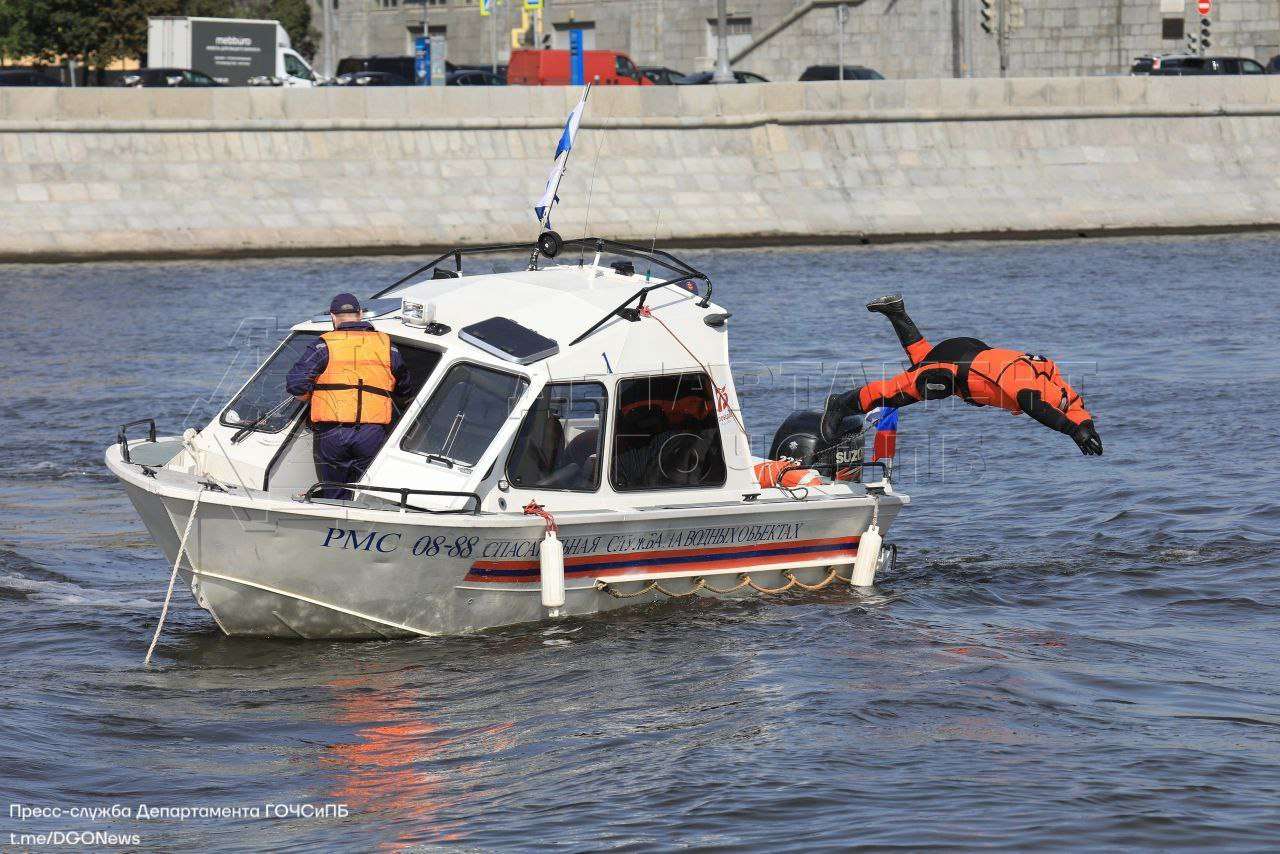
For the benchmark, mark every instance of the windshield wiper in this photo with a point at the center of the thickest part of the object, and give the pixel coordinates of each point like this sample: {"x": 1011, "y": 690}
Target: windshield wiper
{"x": 258, "y": 422}
{"x": 441, "y": 458}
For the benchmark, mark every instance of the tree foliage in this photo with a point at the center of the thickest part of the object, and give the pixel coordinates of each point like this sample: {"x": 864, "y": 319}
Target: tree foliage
{"x": 293, "y": 15}
{"x": 98, "y": 32}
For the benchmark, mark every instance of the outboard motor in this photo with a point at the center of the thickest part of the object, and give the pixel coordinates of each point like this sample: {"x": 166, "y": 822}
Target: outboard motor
{"x": 799, "y": 439}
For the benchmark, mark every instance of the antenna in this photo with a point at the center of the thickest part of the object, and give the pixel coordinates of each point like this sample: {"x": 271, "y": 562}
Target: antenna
{"x": 586, "y": 223}
{"x": 654, "y": 244}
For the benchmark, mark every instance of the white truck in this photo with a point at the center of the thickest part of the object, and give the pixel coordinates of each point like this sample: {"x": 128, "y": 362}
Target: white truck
{"x": 233, "y": 51}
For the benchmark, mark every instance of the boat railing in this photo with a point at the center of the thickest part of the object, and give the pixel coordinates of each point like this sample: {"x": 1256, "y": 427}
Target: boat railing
{"x": 122, "y": 435}
{"x": 402, "y": 492}
{"x": 886, "y": 480}
{"x": 657, "y": 257}
{"x": 627, "y": 311}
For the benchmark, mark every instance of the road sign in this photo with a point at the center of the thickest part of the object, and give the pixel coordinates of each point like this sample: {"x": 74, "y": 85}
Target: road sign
{"x": 422, "y": 61}
{"x": 1204, "y": 7}
{"x": 436, "y": 56}
{"x": 576, "y": 75}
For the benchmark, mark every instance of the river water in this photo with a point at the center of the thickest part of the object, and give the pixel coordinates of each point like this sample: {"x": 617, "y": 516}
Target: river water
{"x": 1073, "y": 652}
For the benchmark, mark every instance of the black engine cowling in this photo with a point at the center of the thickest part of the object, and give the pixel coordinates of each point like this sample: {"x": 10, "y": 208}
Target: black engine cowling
{"x": 798, "y": 438}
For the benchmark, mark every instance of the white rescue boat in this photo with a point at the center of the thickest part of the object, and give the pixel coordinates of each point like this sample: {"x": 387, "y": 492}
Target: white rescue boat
{"x": 573, "y": 443}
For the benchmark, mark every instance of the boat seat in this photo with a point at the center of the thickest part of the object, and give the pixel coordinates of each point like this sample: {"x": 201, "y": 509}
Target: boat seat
{"x": 543, "y": 455}
{"x": 582, "y": 448}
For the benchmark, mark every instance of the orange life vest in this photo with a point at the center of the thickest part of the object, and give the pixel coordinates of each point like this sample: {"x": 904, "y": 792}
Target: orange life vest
{"x": 356, "y": 385}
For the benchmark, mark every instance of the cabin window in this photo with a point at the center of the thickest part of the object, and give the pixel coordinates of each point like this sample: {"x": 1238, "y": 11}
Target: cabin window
{"x": 265, "y": 397}
{"x": 464, "y": 414}
{"x": 560, "y": 440}
{"x": 667, "y": 434}
{"x": 263, "y": 402}
{"x": 421, "y": 363}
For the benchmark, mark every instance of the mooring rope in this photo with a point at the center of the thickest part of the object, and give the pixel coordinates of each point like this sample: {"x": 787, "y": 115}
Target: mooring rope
{"x": 606, "y": 587}
{"x": 173, "y": 576}
{"x": 697, "y": 585}
{"x": 533, "y": 508}
{"x": 821, "y": 584}
{"x": 744, "y": 580}
{"x": 791, "y": 582}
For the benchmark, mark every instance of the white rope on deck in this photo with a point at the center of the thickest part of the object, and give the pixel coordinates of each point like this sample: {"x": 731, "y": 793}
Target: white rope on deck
{"x": 173, "y": 576}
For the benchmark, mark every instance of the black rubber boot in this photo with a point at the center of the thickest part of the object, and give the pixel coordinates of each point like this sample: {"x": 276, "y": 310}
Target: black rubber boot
{"x": 838, "y": 408}
{"x": 888, "y": 305}
{"x": 895, "y": 309}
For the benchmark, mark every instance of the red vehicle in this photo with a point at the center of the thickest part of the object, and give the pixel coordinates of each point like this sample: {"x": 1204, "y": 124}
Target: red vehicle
{"x": 551, "y": 68}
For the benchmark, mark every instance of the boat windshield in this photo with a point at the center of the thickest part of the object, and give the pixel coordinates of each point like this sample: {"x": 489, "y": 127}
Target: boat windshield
{"x": 264, "y": 403}
{"x": 464, "y": 414}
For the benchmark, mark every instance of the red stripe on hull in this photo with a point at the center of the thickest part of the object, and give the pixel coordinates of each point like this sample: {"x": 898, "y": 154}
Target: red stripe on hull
{"x": 527, "y": 571}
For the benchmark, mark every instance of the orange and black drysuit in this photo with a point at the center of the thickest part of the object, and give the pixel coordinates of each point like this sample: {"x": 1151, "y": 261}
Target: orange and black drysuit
{"x": 981, "y": 375}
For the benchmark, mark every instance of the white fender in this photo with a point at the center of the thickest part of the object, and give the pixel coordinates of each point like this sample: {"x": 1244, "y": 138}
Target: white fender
{"x": 551, "y": 563}
{"x": 864, "y": 565}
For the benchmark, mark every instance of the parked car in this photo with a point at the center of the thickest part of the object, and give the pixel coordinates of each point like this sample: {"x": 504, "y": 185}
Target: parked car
{"x": 473, "y": 77}
{"x": 403, "y": 68}
{"x": 832, "y": 72}
{"x": 499, "y": 70}
{"x": 26, "y": 77}
{"x": 370, "y": 78}
{"x": 661, "y": 75}
{"x": 148, "y": 77}
{"x": 551, "y": 68}
{"x": 702, "y": 78}
{"x": 1186, "y": 65}
{"x": 400, "y": 66}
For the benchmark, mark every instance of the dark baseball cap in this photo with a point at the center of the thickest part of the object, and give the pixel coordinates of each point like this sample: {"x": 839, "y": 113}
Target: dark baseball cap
{"x": 344, "y": 304}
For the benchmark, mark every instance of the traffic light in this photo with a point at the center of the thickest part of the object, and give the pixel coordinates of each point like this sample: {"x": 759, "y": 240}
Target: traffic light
{"x": 1192, "y": 45}
{"x": 988, "y": 16}
{"x": 1204, "y": 32}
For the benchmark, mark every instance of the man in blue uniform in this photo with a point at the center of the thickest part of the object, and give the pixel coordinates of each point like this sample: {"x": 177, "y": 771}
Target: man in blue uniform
{"x": 349, "y": 376}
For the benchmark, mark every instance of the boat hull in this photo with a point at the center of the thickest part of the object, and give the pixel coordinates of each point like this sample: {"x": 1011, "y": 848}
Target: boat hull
{"x": 289, "y": 570}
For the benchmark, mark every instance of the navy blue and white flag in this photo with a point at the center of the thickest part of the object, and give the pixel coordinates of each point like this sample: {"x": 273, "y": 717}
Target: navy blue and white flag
{"x": 563, "y": 147}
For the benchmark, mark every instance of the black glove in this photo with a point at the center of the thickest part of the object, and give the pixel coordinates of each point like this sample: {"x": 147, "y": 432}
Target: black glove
{"x": 1088, "y": 440}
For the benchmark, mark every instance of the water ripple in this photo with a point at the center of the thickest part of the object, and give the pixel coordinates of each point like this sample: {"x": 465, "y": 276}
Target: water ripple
{"x": 1073, "y": 653}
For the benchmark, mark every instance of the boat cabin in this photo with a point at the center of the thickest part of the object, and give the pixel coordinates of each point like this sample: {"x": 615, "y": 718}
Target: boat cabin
{"x": 598, "y": 379}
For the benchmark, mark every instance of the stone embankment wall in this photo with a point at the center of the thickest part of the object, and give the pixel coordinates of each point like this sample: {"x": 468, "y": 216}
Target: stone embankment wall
{"x": 150, "y": 173}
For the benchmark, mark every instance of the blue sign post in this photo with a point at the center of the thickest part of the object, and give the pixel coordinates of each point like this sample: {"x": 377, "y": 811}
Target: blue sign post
{"x": 577, "y": 76}
{"x": 422, "y": 61}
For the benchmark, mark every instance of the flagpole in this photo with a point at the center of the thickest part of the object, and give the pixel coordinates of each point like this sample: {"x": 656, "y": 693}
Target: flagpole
{"x": 546, "y": 218}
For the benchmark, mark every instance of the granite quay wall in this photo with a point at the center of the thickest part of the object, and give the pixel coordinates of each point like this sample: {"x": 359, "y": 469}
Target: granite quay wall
{"x": 152, "y": 173}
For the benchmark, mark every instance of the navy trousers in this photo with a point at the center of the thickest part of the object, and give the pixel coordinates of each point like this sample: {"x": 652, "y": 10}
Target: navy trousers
{"x": 343, "y": 453}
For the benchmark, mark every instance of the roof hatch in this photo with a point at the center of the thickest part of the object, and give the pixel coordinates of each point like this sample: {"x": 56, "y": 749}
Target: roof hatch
{"x": 506, "y": 339}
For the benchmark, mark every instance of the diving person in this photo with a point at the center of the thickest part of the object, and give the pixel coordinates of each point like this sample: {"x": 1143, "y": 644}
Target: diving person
{"x": 977, "y": 373}
{"x": 349, "y": 376}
